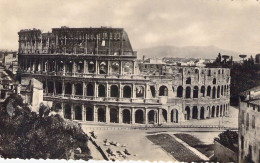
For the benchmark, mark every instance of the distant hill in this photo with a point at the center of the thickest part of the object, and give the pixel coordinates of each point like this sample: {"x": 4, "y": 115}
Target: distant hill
{"x": 209, "y": 52}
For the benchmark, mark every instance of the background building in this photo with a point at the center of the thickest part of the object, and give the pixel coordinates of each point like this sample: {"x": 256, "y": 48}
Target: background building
{"x": 249, "y": 126}
{"x": 92, "y": 74}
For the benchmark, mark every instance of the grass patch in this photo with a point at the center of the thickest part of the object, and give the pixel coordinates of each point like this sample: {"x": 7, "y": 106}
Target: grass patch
{"x": 206, "y": 149}
{"x": 173, "y": 147}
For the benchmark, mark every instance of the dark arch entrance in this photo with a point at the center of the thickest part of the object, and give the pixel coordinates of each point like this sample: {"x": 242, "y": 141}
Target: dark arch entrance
{"x": 187, "y": 109}
{"x": 57, "y": 107}
{"x": 126, "y": 116}
{"x": 196, "y": 92}
{"x": 164, "y": 115}
{"x": 101, "y": 91}
{"x": 202, "y": 91}
{"x": 194, "y": 112}
{"x": 213, "y": 111}
{"x": 221, "y": 111}
{"x": 152, "y": 117}
{"x": 218, "y": 92}
{"x": 179, "y": 91}
{"x": 139, "y": 116}
{"x": 67, "y": 111}
{"x": 78, "y": 89}
{"x": 101, "y": 115}
{"x": 152, "y": 90}
{"x": 89, "y": 114}
{"x": 209, "y": 91}
{"x": 188, "y": 92}
{"x": 58, "y": 87}
{"x": 78, "y": 113}
{"x": 174, "y": 116}
{"x": 113, "y": 91}
{"x": 163, "y": 91}
{"x": 68, "y": 89}
{"x": 90, "y": 91}
{"x": 127, "y": 92}
{"x": 217, "y": 112}
{"x": 202, "y": 113}
{"x": 50, "y": 86}
{"x": 214, "y": 92}
{"x": 113, "y": 115}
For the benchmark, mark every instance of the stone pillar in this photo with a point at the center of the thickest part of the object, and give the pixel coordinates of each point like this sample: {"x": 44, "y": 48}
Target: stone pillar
{"x": 121, "y": 68}
{"x": 83, "y": 112}
{"x": 145, "y": 115}
{"x": 73, "y": 90}
{"x": 54, "y": 87}
{"x": 72, "y": 112}
{"x": 107, "y": 90}
{"x": 159, "y": 115}
{"x": 134, "y": 67}
{"x": 133, "y": 115}
{"x": 120, "y": 90}
{"x": 108, "y": 67}
{"x": 199, "y": 112}
{"x": 146, "y": 91}
{"x": 33, "y": 66}
{"x": 120, "y": 115}
{"x": 168, "y": 115}
{"x": 63, "y": 88}
{"x": 96, "y": 67}
{"x": 95, "y": 115}
{"x": 85, "y": 67}
{"x": 64, "y": 68}
{"x": 107, "y": 114}
{"x": 73, "y": 68}
{"x": 133, "y": 91}
{"x": 84, "y": 89}
{"x": 95, "y": 89}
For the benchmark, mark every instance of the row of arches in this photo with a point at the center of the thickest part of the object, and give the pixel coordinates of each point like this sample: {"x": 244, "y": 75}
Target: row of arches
{"x": 113, "y": 117}
{"x": 202, "y": 113}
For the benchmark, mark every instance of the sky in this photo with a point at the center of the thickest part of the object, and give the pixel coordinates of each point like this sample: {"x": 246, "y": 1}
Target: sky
{"x": 228, "y": 24}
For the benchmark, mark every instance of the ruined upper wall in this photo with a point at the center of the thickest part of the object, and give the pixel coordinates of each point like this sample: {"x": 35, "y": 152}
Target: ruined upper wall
{"x": 110, "y": 41}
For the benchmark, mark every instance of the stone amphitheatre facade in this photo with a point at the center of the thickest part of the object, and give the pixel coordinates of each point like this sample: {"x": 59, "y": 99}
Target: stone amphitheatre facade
{"x": 92, "y": 74}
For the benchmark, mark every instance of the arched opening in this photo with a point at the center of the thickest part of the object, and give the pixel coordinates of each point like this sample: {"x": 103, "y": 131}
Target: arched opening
{"x": 67, "y": 114}
{"x": 127, "y": 91}
{"x": 101, "y": 91}
{"x": 50, "y": 86}
{"x": 113, "y": 91}
{"x": 60, "y": 66}
{"x": 202, "y": 91}
{"x": 139, "y": 91}
{"x": 152, "y": 117}
{"x": 115, "y": 67}
{"x": 68, "y": 89}
{"x": 101, "y": 115}
{"x": 152, "y": 88}
{"x": 78, "y": 89}
{"x": 89, "y": 114}
{"x": 194, "y": 112}
{"x": 91, "y": 67}
{"x": 103, "y": 68}
{"x": 224, "y": 112}
{"x": 126, "y": 116}
{"x": 214, "y": 92}
{"x": 113, "y": 115}
{"x": 188, "y": 80}
{"x": 90, "y": 90}
{"x": 78, "y": 113}
{"x": 218, "y": 92}
{"x": 225, "y": 90}
{"x": 57, "y": 107}
{"x": 202, "y": 112}
{"x": 163, "y": 91}
{"x": 217, "y": 112}
{"x": 69, "y": 66}
{"x": 188, "y": 92}
{"x": 213, "y": 111}
{"x": 174, "y": 116}
{"x": 209, "y": 91}
{"x": 222, "y": 90}
{"x": 214, "y": 81}
{"x": 58, "y": 86}
{"x": 180, "y": 91}
{"x": 80, "y": 67}
{"x": 195, "y": 92}
{"x": 164, "y": 115}
{"x": 139, "y": 116}
{"x": 187, "y": 115}
{"x": 221, "y": 111}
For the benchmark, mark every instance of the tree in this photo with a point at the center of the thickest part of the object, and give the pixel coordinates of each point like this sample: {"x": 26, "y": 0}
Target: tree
{"x": 225, "y": 58}
{"x": 243, "y": 56}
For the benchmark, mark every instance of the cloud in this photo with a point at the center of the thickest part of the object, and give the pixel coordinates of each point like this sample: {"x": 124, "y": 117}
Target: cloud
{"x": 230, "y": 25}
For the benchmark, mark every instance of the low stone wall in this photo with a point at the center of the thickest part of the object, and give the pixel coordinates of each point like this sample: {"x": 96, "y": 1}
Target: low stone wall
{"x": 224, "y": 154}
{"x": 99, "y": 148}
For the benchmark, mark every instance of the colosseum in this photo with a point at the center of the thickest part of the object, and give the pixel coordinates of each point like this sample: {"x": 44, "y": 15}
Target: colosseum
{"x": 93, "y": 74}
